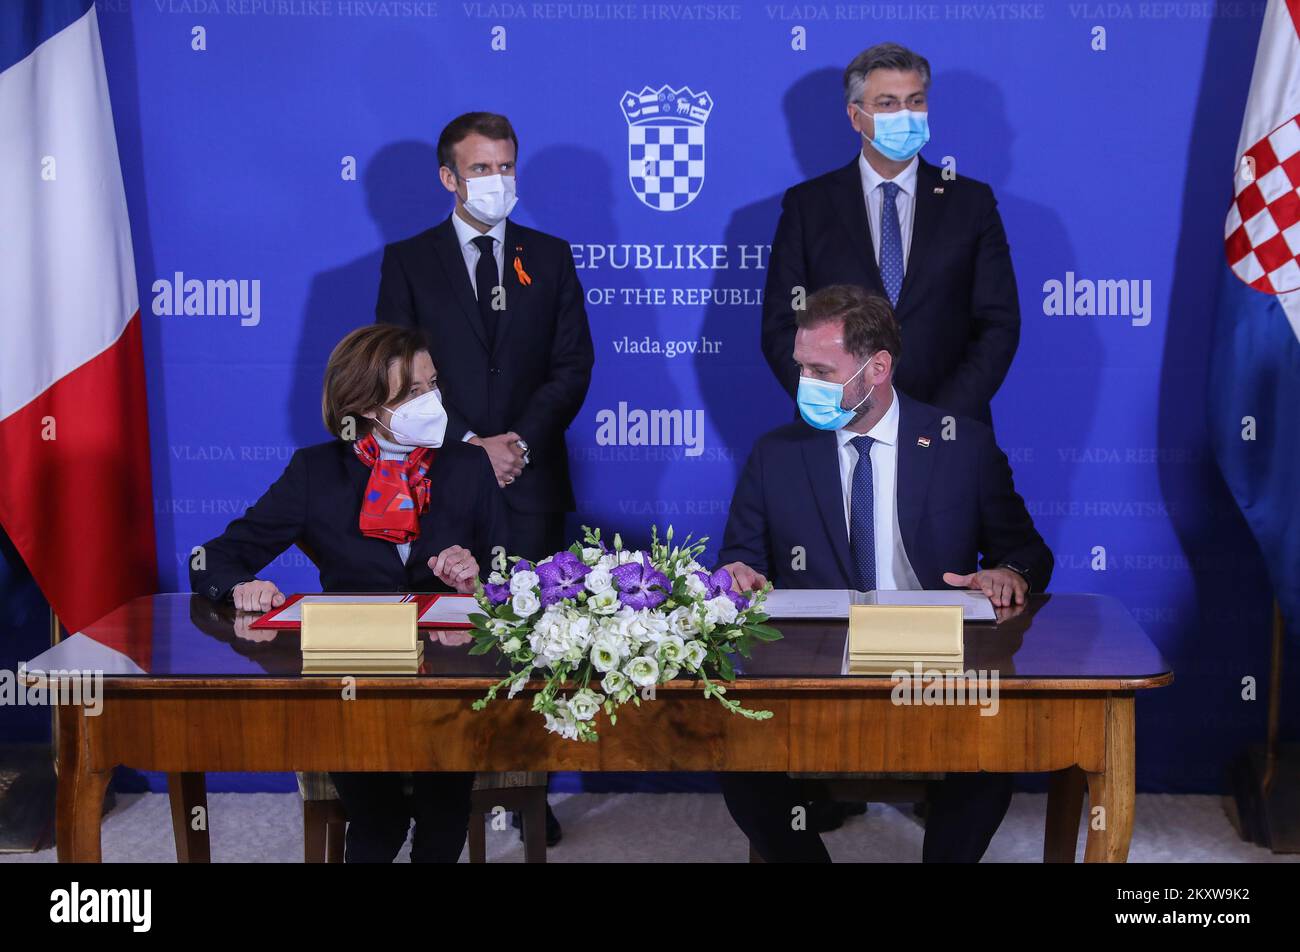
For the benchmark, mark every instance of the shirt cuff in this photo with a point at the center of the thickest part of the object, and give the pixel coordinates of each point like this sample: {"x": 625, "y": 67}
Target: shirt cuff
{"x": 469, "y": 435}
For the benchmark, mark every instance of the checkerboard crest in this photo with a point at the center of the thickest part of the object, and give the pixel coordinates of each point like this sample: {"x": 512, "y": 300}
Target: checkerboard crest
{"x": 1262, "y": 232}
{"x": 665, "y": 144}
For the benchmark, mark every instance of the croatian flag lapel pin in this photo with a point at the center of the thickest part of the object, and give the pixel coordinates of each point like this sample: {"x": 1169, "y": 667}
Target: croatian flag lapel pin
{"x": 922, "y": 441}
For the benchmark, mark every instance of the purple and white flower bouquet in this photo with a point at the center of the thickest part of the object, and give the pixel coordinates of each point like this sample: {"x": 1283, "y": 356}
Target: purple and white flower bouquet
{"x": 604, "y": 626}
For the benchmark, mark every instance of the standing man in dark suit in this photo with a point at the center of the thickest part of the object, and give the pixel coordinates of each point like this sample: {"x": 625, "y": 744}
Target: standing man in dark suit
{"x": 893, "y": 223}
{"x": 503, "y": 312}
{"x": 875, "y": 491}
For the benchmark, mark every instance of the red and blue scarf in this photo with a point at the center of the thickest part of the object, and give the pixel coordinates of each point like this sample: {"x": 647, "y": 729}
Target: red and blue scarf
{"x": 397, "y": 493}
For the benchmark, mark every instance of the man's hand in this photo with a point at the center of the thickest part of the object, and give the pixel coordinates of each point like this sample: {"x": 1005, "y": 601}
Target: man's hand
{"x": 1002, "y": 586}
{"x": 506, "y": 455}
{"x": 745, "y": 578}
{"x": 456, "y": 567}
{"x": 257, "y": 596}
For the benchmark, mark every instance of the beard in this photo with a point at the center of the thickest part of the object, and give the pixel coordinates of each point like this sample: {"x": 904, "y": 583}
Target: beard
{"x": 868, "y": 398}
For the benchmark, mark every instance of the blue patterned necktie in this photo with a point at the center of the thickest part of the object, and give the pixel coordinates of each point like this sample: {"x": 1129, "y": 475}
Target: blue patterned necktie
{"x": 891, "y": 243}
{"x": 862, "y": 518}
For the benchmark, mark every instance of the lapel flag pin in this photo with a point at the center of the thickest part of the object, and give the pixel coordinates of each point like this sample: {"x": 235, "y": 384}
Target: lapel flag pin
{"x": 938, "y": 190}
{"x": 922, "y": 441}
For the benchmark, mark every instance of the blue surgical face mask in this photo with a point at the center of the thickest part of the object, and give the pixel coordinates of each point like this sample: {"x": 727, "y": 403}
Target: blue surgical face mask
{"x": 819, "y": 402}
{"x": 899, "y": 135}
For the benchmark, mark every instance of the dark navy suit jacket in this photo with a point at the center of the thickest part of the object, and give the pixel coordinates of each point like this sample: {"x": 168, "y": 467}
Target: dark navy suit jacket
{"x": 316, "y": 504}
{"x": 958, "y": 310}
{"x": 957, "y": 505}
{"x": 534, "y": 379}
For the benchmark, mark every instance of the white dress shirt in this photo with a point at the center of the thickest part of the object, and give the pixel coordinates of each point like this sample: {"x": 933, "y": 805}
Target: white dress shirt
{"x": 905, "y": 200}
{"x": 893, "y": 570}
{"x": 465, "y": 234}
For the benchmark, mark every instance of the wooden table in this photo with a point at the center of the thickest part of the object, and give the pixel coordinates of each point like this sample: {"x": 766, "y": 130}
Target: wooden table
{"x": 190, "y": 689}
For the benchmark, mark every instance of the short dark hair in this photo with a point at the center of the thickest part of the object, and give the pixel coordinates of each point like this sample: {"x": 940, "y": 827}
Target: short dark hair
{"x": 882, "y": 56}
{"x": 489, "y": 124}
{"x": 356, "y": 376}
{"x": 869, "y": 324}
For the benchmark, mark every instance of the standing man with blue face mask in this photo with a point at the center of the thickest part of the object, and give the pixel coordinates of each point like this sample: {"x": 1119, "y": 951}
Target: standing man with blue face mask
{"x": 502, "y": 310}
{"x": 891, "y": 222}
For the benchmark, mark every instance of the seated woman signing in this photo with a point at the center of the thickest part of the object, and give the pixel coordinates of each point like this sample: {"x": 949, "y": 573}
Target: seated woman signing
{"x": 383, "y": 507}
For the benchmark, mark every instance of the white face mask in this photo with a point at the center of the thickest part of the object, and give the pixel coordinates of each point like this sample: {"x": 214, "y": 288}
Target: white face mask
{"x": 418, "y": 422}
{"x": 490, "y": 198}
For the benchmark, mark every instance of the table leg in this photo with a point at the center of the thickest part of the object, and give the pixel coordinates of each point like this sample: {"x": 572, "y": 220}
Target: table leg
{"x": 188, "y": 792}
{"x": 1064, "y": 804}
{"x": 1111, "y": 791}
{"x": 79, "y": 802}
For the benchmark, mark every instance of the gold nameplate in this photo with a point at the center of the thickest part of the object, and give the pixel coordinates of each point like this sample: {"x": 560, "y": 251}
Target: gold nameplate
{"x": 359, "y": 626}
{"x": 886, "y": 636}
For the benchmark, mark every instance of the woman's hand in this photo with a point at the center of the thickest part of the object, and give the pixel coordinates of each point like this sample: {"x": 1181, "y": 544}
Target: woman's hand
{"x": 455, "y": 567}
{"x": 257, "y": 596}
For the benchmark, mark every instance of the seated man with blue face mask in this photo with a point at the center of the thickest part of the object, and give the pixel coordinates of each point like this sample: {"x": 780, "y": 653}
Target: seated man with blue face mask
{"x": 874, "y": 490}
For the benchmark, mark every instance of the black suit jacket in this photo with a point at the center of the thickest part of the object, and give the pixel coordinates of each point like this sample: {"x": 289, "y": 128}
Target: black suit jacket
{"x": 536, "y": 377}
{"x": 958, "y": 309}
{"x": 316, "y": 504}
{"x": 956, "y": 502}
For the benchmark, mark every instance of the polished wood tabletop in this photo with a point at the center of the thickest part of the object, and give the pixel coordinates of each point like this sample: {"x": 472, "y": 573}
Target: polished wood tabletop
{"x": 191, "y": 688}
{"x": 1082, "y": 642}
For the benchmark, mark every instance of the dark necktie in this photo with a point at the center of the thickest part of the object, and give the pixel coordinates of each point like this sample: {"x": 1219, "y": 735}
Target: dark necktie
{"x": 891, "y": 243}
{"x": 862, "y": 518}
{"x": 486, "y": 280}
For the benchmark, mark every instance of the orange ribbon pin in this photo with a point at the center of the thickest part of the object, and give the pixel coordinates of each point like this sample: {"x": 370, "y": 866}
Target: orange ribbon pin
{"x": 524, "y": 279}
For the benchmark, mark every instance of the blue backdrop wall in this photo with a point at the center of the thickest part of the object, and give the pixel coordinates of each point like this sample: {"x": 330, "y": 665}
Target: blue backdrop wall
{"x": 1109, "y": 163}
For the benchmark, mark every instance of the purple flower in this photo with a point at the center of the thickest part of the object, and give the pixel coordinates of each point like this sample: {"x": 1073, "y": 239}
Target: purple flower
{"x": 497, "y": 594}
{"x": 719, "y": 583}
{"x": 523, "y": 565}
{"x": 640, "y": 585}
{"x": 561, "y": 577}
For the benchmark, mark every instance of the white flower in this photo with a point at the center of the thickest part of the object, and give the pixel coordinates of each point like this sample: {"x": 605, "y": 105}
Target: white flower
{"x": 628, "y": 555}
{"x": 613, "y": 682}
{"x": 695, "y": 587}
{"x": 607, "y": 650}
{"x": 520, "y": 680}
{"x": 562, "y": 722}
{"x": 646, "y": 625}
{"x": 591, "y": 555}
{"x": 524, "y": 603}
{"x": 682, "y": 621}
{"x": 642, "y": 671}
{"x": 585, "y": 704}
{"x": 598, "y": 580}
{"x": 606, "y": 603}
{"x": 672, "y": 650}
{"x": 720, "y": 609}
{"x": 511, "y": 646}
{"x": 500, "y": 627}
{"x": 607, "y": 561}
{"x": 496, "y": 578}
{"x": 695, "y": 654}
{"x": 670, "y": 673}
{"x": 523, "y": 582}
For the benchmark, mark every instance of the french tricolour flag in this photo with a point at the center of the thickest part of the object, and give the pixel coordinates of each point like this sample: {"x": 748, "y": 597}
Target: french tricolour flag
{"x": 1255, "y": 362}
{"x": 75, "y": 487}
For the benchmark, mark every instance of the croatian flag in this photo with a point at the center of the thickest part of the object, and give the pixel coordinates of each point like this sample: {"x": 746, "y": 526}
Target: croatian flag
{"x": 1255, "y": 362}
{"x": 75, "y": 487}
